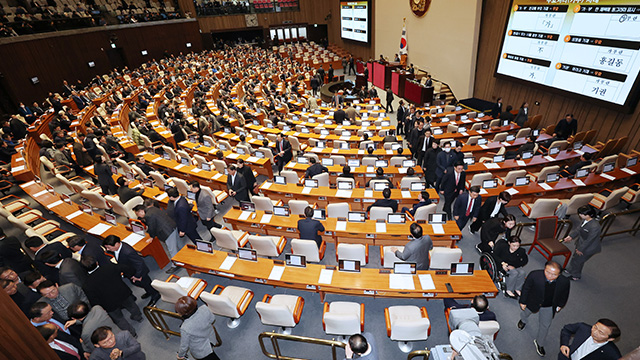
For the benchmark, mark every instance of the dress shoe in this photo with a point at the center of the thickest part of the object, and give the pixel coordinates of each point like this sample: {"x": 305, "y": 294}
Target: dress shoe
{"x": 136, "y": 318}
{"x": 145, "y": 295}
{"x": 539, "y": 349}
{"x": 154, "y": 300}
{"x": 521, "y": 325}
{"x": 512, "y": 296}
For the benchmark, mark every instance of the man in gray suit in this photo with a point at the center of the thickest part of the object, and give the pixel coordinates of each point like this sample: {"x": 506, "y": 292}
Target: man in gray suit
{"x": 60, "y": 297}
{"x": 90, "y": 319}
{"x": 206, "y": 212}
{"x": 69, "y": 269}
{"x": 587, "y": 243}
{"x": 416, "y": 250}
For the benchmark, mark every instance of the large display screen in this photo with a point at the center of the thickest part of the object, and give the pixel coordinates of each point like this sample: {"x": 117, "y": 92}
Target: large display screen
{"x": 355, "y": 20}
{"x": 589, "y": 47}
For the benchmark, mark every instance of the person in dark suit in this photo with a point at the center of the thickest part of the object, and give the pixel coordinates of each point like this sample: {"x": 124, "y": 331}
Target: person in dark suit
{"x": 493, "y": 206}
{"x": 401, "y": 114}
{"x": 125, "y": 193}
{"x": 430, "y": 163}
{"x": 314, "y": 169}
{"x": 159, "y": 224}
{"x": 565, "y": 128}
{"x": 571, "y": 170}
{"x": 106, "y": 288}
{"x": 237, "y": 185}
{"x": 413, "y": 139}
{"x": 479, "y": 303}
{"x": 245, "y": 170}
{"x": 587, "y": 238}
{"x": 105, "y": 179}
{"x": 416, "y": 250}
{"x": 339, "y": 115}
{"x": 523, "y": 114}
{"x": 389, "y": 100}
{"x": 89, "y": 145}
{"x": 37, "y": 246}
{"x": 444, "y": 161}
{"x": 467, "y": 206}
{"x": 140, "y": 162}
{"x": 310, "y": 228}
{"x": 507, "y": 115}
{"x": 82, "y": 155}
{"x": 283, "y": 153}
{"x": 452, "y": 185}
{"x": 18, "y": 127}
{"x": 529, "y": 146}
{"x": 429, "y": 82}
{"x": 183, "y": 216}
{"x": 12, "y": 255}
{"x": 365, "y": 73}
{"x": 122, "y": 343}
{"x": 496, "y": 111}
{"x": 64, "y": 350}
{"x": 544, "y": 292}
{"x": 386, "y": 202}
{"x": 42, "y": 313}
{"x": 380, "y": 176}
{"x": 79, "y": 245}
{"x": 135, "y": 268}
{"x": 90, "y": 318}
{"x": 176, "y": 130}
{"x": 424, "y": 143}
{"x": 315, "y": 84}
{"x": 11, "y": 289}
{"x": 69, "y": 270}
{"x": 492, "y": 229}
{"x": 590, "y": 342}
{"x": 423, "y": 200}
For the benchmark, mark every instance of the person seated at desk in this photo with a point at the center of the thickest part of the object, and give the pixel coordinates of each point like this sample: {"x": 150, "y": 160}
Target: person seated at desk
{"x": 125, "y": 192}
{"x": 570, "y": 170}
{"x": 373, "y": 93}
{"x": 346, "y": 172}
{"x": 358, "y": 347}
{"x": 529, "y": 146}
{"x": 380, "y": 175}
{"x": 416, "y": 250}
{"x": 511, "y": 258}
{"x": 390, "y": 137}
{"x": 386, "y": 202}
{"x": 423, "y": 200}
{"x": 429, "y": 82}
{"x": 479, "y": 303}
{"x": 140, "y": 162}
{"x": 310, "y": 228}
{"x": 492, "y": 229}
{"x": 314, "y": 169}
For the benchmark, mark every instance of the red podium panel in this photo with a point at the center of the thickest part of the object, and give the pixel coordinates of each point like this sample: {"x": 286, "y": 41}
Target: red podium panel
{"x": 417, "y": 94}
{"x": 379, "y": 71}
{"x": 370, "y": 67}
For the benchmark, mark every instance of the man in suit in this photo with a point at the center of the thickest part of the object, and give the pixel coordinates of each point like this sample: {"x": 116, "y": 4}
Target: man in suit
{"x": 159, "y": 224}
{"x": 507, "y": 115}
{"x": 529, "y": 146}
{"x": 401, "y": 114}
{"x": 587, "y": 238}
{"x": 125, "y": 193}
{"x": 386, "y": 202}
{"x": 136, "y": 270}
{"x": 496, "y": 111}
{"x": 571, "y": 170}
{"x": 237, "y": 185}
{"x": 444, "y": 160}
{"x": 90, "y": 318}
{"x": 315, "y": 84}
{"x": 339, "y": 115}
{"x": 41, "y": 313}
{"x": 523, "y": 114}
{"x": 389, "y": 100}
{"x": 424, "y": 143}
{"x": 330, "y": 73}
{"x": 111, "y": 346}
{"x": 60, "y": 297}
{"x": 245, "y": 170}
{"x": 183, "y": 216}
{"x": 69, "y": 270}
{"x": 493, "y": 206}
{"x": 12, "y": 255}
{"x": 176, "y": 130}
{"x": 26, "y": 113}
{"x": 337, "y": 98}
{"x": 315, "y": 169}
{"x": 544, "y": 292}
{"x": 63, "y": 349}
{"x": 413, "y": 140}
{"x": 321, "y": 74}
{"x": 351, "y": 113}
{"x": 37, "y": 246}
{"x": 283, "y": 153}
{"x": 79, "y": 245}
{"x": 590, "y": 342}
{"x": 429, "y": 82}
{"x": 452, "y": 185}
{"x": 416, "y": 250}
{"x": 206, "y": 211}
{"x": 479, "y": 303}
{"x": 423, "y": 200}
{"x": 106, "y": 288}
{"x": 310, "y": 228}
{"x": 82, "y": 155}
{"x": 467, "y": 206}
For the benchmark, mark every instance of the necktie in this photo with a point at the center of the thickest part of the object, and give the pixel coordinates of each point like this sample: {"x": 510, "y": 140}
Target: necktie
{"x": 67, "y": 349}
{"x": 469, "y": 208}
{"x": 457, "y": 178}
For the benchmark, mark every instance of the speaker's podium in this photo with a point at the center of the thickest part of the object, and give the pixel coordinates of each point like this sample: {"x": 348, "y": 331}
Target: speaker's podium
{"x": 382, "y": 73}
{"x": 417, "y": 93}
{"x": 361, "y": 81}
{"x": 398, "y": 79}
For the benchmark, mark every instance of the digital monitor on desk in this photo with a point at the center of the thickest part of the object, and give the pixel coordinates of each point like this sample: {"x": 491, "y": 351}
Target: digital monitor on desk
{"x": 521, "y": 181}
{"x": 381, "y": 163}
{"x": 327, "y": 161}
{"x": 280, "y": 180}
{"x": 404, "y": 268}
{"x": 204, "y": 246}
{"x": 137, "y": 227}
{"x": 608, "y": 167}
{"x": 379, "y": 186}
{"x": 295, "y": 260}
{"x": 353, "y": 162}
{"x": 281, "y": 210}
{"x": 582, "y": 173}
{"x": 632, "y": 161}
{"x": 247, "y": 206}
{"x": 552, "y": 177}
{"x": 319, "y": 214}
{"x": 490, "y": 184}
{"x": 345, "y": 185}
{"x": 417, "y": 186}
{"x": 438, "y": 218}
{"x": 311, "y": 183}
{"x": 356, "y": 216}
{"x": 349, "y": 265}
{"x": 527, "y": 155}
{"x": 247, "y": 254}
{"x": 408, "y": 163}
{"x": 396, "y": 218}
{"x": 461, "y": 269}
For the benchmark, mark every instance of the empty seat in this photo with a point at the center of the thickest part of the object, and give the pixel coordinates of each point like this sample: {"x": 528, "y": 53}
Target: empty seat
{"x": 343, "y": 318}
{"x": 357, "y": 252}
{"x": 230, "y": 239}
{"x": 338, "y": 210}
{"x": 280, "y": 310}
{"x": 442, "y": 257}
{"x": 605, "y": 202}
{"x": 541, "y": 207}
{"x": 576, "y": 202}
{"x": 309, "y": 249}
{"x": 379, "y": 213}
{"x": 407, "y": 323}
{"x": 545, "y": 241}
{"x": 171, "y": 291}
{"x": 231, "y": 302}
{"x": 271, "y": 246}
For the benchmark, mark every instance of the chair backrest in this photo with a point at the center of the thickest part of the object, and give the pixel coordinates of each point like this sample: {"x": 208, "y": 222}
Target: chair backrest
{"x": 338, "y": 210}
{"x": 396, "y": 161}
{"x": 390, "y": 257}
{"x": 275, "y": 314}
{"x": 406, "y": 181}
{"x": 219, "y": 165}
{"x": 365, "y": 144}
{"x": 423, "y": 212}
{"x": 543, "y": 207}
{"x": 588, "y": 138}
{"x": 18, "y": 223}
{"x": 95, "y": 199}
{"x": 181, "y": 185}
{"x": 542, "y": 175}
{"x": 608, "y": 159}
{"x": 489, "y": 327}
{"x": 116, "y": 205}
{"x": 477, "y": 126}
{"x": 295, "y": 144}
{"x": 339, "y": 160}
{"x": 264, "y": 245}
{"x": 442, "y": 257}
{"x": 123, "y": 164}
{"x": 200, "y": 160}
{"x": 577, "y": 201}
{"x": 352, "y": 252}
{"x": 184, "y": 155}
{"x": 379, "y": 213}
{"x": 323, "y": 179}
{"x": 500, "y": 137}
{"x": 66, "y": 182}
{"x": 341, "y": 323}
{"x": 477, "y": 179}
{"x": 291, "y": 176}
{"x": 614, "y": 198}
{"x": 263, "y": 203}
{"x": 351, "y": 180}
{"x": 405, "y": 327}
{"x": 374, "y": 181}
{"x": 561, "y": 144}
{"x": 369, "y": 161}
{"x": 312, "y": 155}
{"x": 225, "y": 239}
{"x": 220, "y": 304}
{"x": 138, "y": 171}
{"x": 297, "y": 206}
{"x": 524, "y": 132}
{"x": 159, "y": 180}
{"x": 452, "y": 128}
{"x": 308, "y": 248}
{"x": 211, "y": 194}
{"x": 546, "y": 227}
{"x": 511, "y": 176}
{"x": 170, "y": 151}
{"x": 473, "y": 140}
{"x": 169, "y": 291}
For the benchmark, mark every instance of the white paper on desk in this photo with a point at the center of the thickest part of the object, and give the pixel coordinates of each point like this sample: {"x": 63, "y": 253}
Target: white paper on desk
{"x": 216, "y": 176}
{"x": 323, "y": 136}
{"x": 368, "y": 193}
{"x": 489, "y": 165}
{"x": 607, "y": 176}
{"x": 38, "y": 194}
{"x": 162, "y": 196}
{"x": 266, "y": 185}
{"x": 480, "y": 132}
{"x": 228, "y": 263}
{"x": 406, "y": 194}
{"x": 178, "y": 167}
{"x": 506, "y": 143}
{"x": 426, "y": 282}
{"x": 549, "y": 158}
{"x": 360, "y": 152}
{"x": 579, "y": 152}
{"x": 464, "y": 134}
{"x": 466, "y": 121}
{"x": 265, "y": 218}
{"x": 484, "y": 146}
{"x": 438, "y": 229}
{"x": 245, "y": 215}
{"x": 545, "y": 186}
{"x": 262, "y": 128}
{"x": 521, "y": 163}
{"x": 291, "y": 165}
{"x": 401, "y": 282}
{"x": 306, "y": 190}
{"x": 252, "y": 159}
{"x": 341, "y": 226}
{"x": 483, "y": 191}
{"x": 345, "y": 138}
{"x": 74, "y": 214}
{"x": 133, "y": 239}
{"x": 276, "y": 273}
{"x": 213, "y": 151}
{"x": 99, "y": 229}
{"x": 233, "y": 156}
{"x": 156, "y": 159}
{"x": 344, "y": 193}
{"x": 578, "y": 182}
{"x": 370, "y": 169}
{"x": 17, "y": 168}
{"x": 627, "y": 170}
{"x": 389, "y": 152}
{"x": 325, "y": 276}
{"x": 54, "y": 204}
{"x": 335, "y": 151}
{"x": 196, "y": 170}
{"x": 512, "y": 191}
{"x": 402, "y": 170}
{"x": 381, "y": 227}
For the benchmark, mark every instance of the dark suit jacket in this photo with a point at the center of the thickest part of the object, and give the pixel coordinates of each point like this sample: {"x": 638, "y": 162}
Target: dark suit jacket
{"x": 418, "y": 205}
{"x": 521, "y": 118}
{"x": 393, "y": 204}
{"x": 487, "y": 208}
{"x": 339, "y": 116}
{"x": 239, "y": 186}
{"x": 448, "y": 182}
{"x": 97, "y": 252}
{"x": 12, "y": 255}
{"x": 286, "y": 147}
{"x": 580, "y": 333}
{"x": 182, "y": 215}
{"x": 460, "y": 206}
{"x": 103, "y": 172}
{"x": 47, "y": 271}
{"x": 159, "y": 223}
{"x": 314, "y": 170}
{"x": 132, "y": 263}
{"x": 533, "y": 291}
{"x": 309, "y": 229}
{"x": 126, "y": 193}
{"x": 72, "y": 272}
{"x": 176, "y": 130}
{"x": 496, "y": 110}
{"x": 105, "y": 287}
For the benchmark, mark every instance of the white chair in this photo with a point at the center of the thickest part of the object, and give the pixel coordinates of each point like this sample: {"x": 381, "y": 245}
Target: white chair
{"x": 280, "y": 310}
{"x": 442, "y": 257}
{"x": 184, "y": 155}
{"x": 343, "y": 318}
{"x": 423, "y": 212}
{"x": 159, "y": 180}
{"x": 388, "y": 257}
{"x": 489, "y": 328}
{"x": 379, "y": 213}
{"x": 309, "y": 249}
{"x": 121, "y": 209}
{"x": 500, "y": 137}
{"x": 138, "y": 171}
{"x": 339, "y": 160}
{"x": 512, "y": 175}
{"x": 576, "y": 202}
{"x": 172, "y": 154}
{"x": 123, "y": 164}
{"x": 338, "y": 210}
{"x": 405, "y": 182}
{"x": 16, "y": 205}
{"x": 231, "y": 302}
{"x": 541, "y": 176}
{"x": 323, "y": 179}
{"x": 369, "y": 161}
{"x": 171, "y": 291}
{"x": 407, "y": 323}
{"x": 263, "y": 203}
{"x": 602, "y": 202}
{"x": 181, "y": 185}
{"x": 523, "y": 133}
{"x": 477, "y": 179}
{"x": 540, "y": 208}
{"x": 270, "y": 246}
{"x": 219, "y": 165}
{"x": 297, "y": 206}
{"x": 200, "y": 160}
{"x": 95, "y": 199}
{"x": 291, "y": 176}
{"x": 358, "y": 252}
{"x": 376, "y": 181}
{"x": 396, "y": 161}
{"x": 230, "y": 239}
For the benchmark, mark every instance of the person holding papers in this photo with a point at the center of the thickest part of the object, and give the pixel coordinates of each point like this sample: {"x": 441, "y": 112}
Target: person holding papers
{"x": 310, "y": 228}
{"x": 416, "y": 250}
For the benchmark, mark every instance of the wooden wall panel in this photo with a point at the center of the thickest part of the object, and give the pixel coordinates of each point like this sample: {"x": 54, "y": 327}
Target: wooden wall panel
{"x": 58, "y": 57}
{"x": 609, "y": 123}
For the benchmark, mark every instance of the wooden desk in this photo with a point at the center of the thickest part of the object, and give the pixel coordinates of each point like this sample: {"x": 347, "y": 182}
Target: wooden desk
{"x": 492, "y": 146}
{"x": 369, "y": 282}
{"x": 261, "y": 166}
{"x": 353, "y": 153}
{"x": 362, "y": 173}
{"x": 19, "y": 168}
{"x": 212, "y": 179}
{"x": 463, "y": 136}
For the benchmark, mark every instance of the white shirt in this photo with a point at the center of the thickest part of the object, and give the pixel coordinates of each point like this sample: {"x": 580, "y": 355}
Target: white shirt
{"x": 587, "y": 347}
{"x": 117, "y": 252}
{"x": 496, "y": 209}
